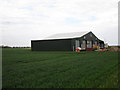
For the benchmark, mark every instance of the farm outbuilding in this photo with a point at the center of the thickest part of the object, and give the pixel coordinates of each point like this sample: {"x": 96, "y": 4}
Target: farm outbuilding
{"x": 67, "y": 42}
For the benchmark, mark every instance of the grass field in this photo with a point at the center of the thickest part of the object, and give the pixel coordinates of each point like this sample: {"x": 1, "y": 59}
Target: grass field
{"x": 23, "y": 68}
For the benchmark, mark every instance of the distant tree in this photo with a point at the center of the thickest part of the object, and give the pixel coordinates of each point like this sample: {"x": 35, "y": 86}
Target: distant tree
{"x": 5, "y": 46}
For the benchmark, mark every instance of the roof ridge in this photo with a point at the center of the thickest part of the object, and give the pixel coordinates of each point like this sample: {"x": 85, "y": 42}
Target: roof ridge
{"x": 67, "y": 35}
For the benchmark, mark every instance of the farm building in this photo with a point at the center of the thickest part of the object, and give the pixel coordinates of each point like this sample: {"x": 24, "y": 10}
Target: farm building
{"x": 67, "y": 42}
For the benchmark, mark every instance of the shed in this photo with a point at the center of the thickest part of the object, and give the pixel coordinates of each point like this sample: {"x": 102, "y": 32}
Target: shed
{"x": 67, "y": 42}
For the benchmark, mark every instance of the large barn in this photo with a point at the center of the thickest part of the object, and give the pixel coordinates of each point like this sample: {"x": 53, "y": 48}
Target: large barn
{"x": 67, "y": 42}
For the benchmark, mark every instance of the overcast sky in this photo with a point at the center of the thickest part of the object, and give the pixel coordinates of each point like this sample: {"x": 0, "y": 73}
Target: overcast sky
{"x": 24, "y": 20}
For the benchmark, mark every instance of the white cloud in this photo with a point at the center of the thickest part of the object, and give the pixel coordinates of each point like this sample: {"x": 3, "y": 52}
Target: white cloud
{"x": 23, "y": 20}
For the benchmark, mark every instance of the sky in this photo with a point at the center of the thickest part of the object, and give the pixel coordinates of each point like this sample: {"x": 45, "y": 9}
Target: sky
{"x": 24, "y": 20}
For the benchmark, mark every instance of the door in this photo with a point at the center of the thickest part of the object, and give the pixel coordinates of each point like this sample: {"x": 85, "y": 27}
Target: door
{"x": 101, "y": 45}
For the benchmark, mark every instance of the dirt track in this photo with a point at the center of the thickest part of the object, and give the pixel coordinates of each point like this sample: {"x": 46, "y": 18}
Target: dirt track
{"x": 114, "y": 48}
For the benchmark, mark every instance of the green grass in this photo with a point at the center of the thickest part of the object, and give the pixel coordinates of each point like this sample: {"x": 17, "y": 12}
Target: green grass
{"x": 23, "y": 68}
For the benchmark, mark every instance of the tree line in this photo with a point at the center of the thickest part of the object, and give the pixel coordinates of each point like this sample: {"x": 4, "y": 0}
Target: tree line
{"x": 4, "y": 46}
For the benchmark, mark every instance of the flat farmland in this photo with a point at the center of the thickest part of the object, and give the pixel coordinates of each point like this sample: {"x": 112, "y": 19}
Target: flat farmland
{"x": 23, "y": 68}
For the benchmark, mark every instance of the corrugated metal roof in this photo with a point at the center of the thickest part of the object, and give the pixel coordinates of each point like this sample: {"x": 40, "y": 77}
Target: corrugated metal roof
{"x": 66, "y": 35}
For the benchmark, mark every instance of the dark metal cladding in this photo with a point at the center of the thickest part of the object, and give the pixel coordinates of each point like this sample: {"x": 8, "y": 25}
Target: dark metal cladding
{"x": 52, "y": 45}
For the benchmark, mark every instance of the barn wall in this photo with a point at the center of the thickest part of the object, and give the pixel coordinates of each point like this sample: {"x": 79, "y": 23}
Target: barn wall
{"x": 51, "y": 45}
{"x": 87, "y": 37}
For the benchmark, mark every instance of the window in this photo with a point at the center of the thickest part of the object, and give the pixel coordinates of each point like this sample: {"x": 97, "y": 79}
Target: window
{"x": 83, "y": 45}
{"x": 88, "y": 41}
{"x": 84, "y": 37}
{"x": 89, "y": 44}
